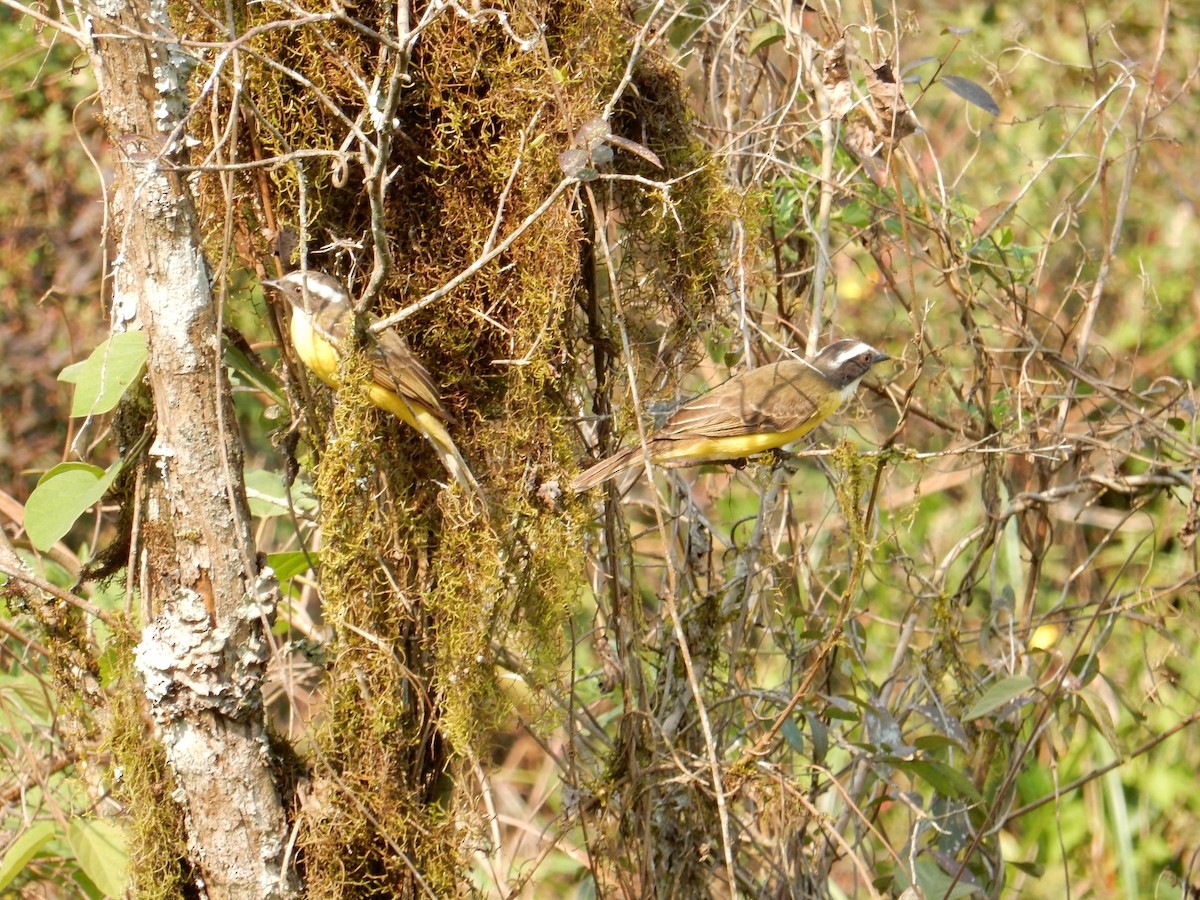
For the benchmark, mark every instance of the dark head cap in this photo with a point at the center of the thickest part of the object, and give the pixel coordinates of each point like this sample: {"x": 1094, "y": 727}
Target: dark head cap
{"x": 845, "y": 362}
{"x": 322, "y": 289}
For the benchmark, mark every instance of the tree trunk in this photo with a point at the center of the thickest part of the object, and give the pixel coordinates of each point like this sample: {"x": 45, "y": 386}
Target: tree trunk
{"x": 203, "y": 654}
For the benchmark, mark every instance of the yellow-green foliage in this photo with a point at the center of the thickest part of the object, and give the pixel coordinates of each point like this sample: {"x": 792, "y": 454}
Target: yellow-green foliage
{"x": 512, "y": 581}
{"x": 849, "y": 488}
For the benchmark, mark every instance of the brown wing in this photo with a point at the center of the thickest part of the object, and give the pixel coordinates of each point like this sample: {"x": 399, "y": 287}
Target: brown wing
{"x": 399, "y": 371}
{"x": 768, "y": 399}
{"x": 395, "y": 367}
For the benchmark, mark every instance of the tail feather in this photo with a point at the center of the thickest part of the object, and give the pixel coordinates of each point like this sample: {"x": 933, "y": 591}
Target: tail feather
{"x": 607, "y": 469}
{"x": 446, "y": 449}
{"x": 433, "y": 427}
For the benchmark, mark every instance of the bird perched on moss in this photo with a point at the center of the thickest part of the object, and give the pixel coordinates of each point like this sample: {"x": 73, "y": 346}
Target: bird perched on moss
{"x": 322, "y": 319}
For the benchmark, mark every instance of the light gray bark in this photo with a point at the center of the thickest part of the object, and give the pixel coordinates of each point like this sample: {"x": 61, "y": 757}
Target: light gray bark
{"x": 203, "y": 654}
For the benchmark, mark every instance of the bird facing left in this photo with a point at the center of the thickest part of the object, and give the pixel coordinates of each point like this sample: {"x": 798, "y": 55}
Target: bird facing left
{"x": 321, "y": 322}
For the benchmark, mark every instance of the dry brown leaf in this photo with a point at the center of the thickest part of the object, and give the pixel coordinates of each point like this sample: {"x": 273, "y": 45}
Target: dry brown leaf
{"x": 859, "y": 138}
{"x": 836, "y": 79}
{"x": 896, "y": 116}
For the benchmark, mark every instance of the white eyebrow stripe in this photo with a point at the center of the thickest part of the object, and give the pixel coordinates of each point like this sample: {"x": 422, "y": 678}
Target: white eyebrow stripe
{"x": 318, "y": 289}
{"x": 855, "y": 349}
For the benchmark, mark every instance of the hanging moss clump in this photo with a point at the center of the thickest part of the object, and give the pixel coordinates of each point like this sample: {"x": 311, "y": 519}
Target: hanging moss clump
{"x": 427, "y": 588}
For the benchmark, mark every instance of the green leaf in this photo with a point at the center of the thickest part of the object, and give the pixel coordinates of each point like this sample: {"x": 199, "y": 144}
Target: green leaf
{"x": 933, "y": 882}
{"x": 931, "y": 742}
{"x": 998, "y": 695}
{"x": 946, "y": 780}
{"x": 793, "y": 735}
{"x": 1098, "y": 712}
{"x": 819, "y": 735}
{"x": 249, "y": 372}
{"x": 844, "y": 715}
{"x": 856, "y": 214}
{"x": 70, "y": 374}
{"x": 61, "y": 496}
{"x": 267, "y": 496}
{"x": 22, "y": 850}
{"x": 765, "y": 35}
{"x": 30, "y": 693}
{"x": 587, "y": 886}
{"x": 290, "y": 564}
{"x": 99, "y": 847}
{"x": 1033, "y": 870}
{"x": 265, "y": 493}
{"x": 971, "y": 92}
{"x": 917, "y": 63}
{"x": 86, "y": 888}
{"x": 103, "y": 377}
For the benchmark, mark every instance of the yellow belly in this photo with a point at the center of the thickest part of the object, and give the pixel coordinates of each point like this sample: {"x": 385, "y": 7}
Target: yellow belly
{"x": 321, "y": 357}
{"x": 314, "y": 351}
{"x": 689, "y": 451}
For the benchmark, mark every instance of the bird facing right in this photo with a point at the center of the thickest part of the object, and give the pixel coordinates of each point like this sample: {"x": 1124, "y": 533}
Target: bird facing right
{"x": 755, "y": 411}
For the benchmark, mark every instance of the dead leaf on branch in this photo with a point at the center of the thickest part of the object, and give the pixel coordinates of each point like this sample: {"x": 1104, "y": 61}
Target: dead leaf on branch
{"x": 593, "y": 145}
{"x": 887, "y": 95}
{"x": 836, "y": 79}
{"x": 859, "y": 138}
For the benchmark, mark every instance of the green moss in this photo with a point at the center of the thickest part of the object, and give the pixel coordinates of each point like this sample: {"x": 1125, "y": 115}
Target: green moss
{"x": 157, "y": 840}
{"x": 421, "y": 584}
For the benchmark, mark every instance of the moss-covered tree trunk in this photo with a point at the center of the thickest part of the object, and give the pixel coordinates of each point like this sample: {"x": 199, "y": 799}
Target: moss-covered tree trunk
{"x": 454, "y": 168}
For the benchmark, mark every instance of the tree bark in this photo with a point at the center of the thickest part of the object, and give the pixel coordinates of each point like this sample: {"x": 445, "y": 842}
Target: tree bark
{"x": 203, "y": 655}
